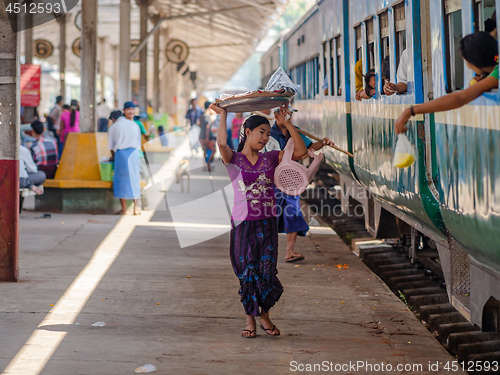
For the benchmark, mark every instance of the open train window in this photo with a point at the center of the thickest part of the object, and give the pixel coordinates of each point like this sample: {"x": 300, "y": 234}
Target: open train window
{"x": 400, "y": 27}
{"x": 384, "y": 33}
{"x": 359, "y": 42}
{"x": 338, "y": 49}
{"x": 370, "y": 44}
{"x": 483, "y": 9}
{"x": 453, "y": 31}
{"x": 384, "y": 46}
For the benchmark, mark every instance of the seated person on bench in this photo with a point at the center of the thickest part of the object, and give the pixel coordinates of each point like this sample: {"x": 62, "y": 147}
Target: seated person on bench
{"x": 45, "y": 150}
{"x": 29, "y": 175}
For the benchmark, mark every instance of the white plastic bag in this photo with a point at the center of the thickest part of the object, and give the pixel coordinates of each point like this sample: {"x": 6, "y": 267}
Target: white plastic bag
{"x": 280, "y": 80}
{"x": 405, "y": 153}
{"x": 145, "y": 369}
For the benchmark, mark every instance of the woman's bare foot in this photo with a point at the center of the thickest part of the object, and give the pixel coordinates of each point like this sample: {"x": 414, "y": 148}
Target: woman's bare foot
{"x": 267, "y": 325}
{"x": 137, "y": 211}
{"x": 121, "y": 212}
{"x": 250, "y": 328}
{"x": 37, "y": 190}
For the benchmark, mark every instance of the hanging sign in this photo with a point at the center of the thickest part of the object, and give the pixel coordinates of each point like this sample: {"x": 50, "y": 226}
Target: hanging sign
{"x": 77, "y": 47}
{"x": 177, "y": 51}
{"x": 78, "y": 20}
{"x": 43, "y": 48}
{"x": 30, "y": 85}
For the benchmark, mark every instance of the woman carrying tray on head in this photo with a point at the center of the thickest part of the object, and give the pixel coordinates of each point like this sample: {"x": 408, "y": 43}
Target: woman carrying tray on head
{"x": 254, "y": 233}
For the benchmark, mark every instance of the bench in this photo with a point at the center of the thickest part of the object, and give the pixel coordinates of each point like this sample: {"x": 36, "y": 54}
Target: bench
{"x": 79, "y": 196}
{"x": 23, "y": 193}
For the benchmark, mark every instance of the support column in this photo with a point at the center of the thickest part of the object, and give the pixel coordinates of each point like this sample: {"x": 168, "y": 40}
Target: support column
{"x": 89, "y": 66}
{"x": 156, "y": 73}
{"x": 125, "y": 86}
{"x": 29, "y": 112}
{"x": 28, "y": 39}
{"x": 164, "y": 74}
{"x": 10, "y": 99}
{"x": 116, "y": 70}
{"x": 62, "y": 54}
{"x": 102, "y": 65}
{"x": 143, "y": 78}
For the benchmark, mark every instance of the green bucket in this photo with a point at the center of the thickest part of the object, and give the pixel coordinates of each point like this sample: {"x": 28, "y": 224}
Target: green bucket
{"x": 107, "y": 170}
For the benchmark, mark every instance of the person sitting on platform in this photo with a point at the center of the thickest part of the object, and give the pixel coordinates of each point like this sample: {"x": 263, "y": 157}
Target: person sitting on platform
{"x": 29, "y": 175}
{"x": 124, "y": 141}
{"x": 45, "y": 150}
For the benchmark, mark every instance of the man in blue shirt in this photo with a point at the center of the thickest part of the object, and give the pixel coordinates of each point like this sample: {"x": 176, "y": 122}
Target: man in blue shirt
{"x": 290, "y": 219}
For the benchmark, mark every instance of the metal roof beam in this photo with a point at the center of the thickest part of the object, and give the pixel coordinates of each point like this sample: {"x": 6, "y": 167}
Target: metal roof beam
{"x": 181, "y": 16}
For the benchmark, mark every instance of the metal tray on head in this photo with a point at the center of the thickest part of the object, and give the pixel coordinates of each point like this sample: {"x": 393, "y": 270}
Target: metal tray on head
{"x": 241, "y": 105}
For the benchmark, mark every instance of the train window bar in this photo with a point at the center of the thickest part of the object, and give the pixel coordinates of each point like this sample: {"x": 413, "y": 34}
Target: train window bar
{"x": 384, "y": 45}
{"x": 453, "y": 31}
{"x": 359, "y": 42}
{"x": 400, "y": 28}
{"x": 338, "y": 49}
{"x": 333, "y": 69}
{"x": 370, "y": 41}
{"x": 325, "y": 71}
{"x": 483, "y": 9}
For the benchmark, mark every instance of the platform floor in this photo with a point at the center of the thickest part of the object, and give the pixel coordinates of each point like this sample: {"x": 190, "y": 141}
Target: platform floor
{"x": 178, "y": 308}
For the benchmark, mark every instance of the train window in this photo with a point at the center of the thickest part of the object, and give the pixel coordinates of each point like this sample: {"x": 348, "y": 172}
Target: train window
{"x": 359, "y": 42}
{"x": 400, "y": 27}
{"x": 370, "y": 44}
{"x": 339, "y": 64}
{"x": 332, "y": 68}
{"x": 384, "y": 45}
{"x": 384, "y": 33}
{"x": 453, "y": 30}
{"x": 307, "y": 76}
{"x": 483, "y": 10}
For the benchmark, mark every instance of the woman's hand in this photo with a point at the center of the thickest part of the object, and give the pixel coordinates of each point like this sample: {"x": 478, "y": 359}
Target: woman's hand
{"x": 390, "y": 88}
{"x": 400, "y": 124}
{"x": 283, "y": 117}
{"x": 214, "y": 107}
{"x": 327, "y": 142}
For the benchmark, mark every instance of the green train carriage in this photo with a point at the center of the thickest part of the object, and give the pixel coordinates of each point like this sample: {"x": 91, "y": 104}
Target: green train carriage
{"x": 449, "y": 195}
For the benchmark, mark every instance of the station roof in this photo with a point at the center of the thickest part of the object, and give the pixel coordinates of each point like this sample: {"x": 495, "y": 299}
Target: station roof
{"x": 221, "y": 34}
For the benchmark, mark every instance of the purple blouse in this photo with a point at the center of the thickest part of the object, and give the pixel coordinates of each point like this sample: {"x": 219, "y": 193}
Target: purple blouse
{"x": 253, "y": 186}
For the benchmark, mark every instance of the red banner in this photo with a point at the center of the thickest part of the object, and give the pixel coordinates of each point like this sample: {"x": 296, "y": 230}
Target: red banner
{"x": 30, "y": 85}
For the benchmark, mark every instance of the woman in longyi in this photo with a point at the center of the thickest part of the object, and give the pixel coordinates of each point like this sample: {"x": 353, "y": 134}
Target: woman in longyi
{"x": 254, "y": 233}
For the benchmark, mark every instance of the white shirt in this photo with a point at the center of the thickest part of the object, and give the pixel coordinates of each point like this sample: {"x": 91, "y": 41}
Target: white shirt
{"x": 124, "y": 134}
{"x": 26, "y": 163}
{"x": 403, "y": 68}
{"x": 103, "y": 111}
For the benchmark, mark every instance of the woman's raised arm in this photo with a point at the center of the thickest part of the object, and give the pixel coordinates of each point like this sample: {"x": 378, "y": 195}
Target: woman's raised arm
{"x": 224, "y": 149}
{"x": 448, "y": 102}
{"x": 300, "y": 147}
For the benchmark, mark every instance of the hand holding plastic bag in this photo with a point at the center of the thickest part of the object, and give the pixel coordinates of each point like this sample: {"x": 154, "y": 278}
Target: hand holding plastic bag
{"x": 405, "y": 153}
